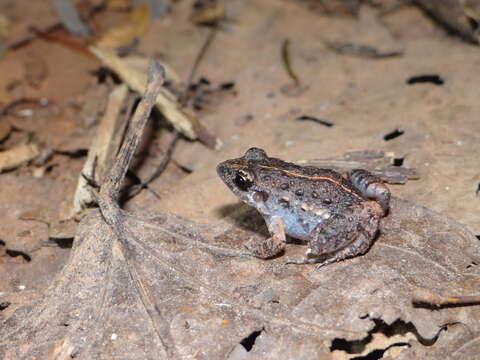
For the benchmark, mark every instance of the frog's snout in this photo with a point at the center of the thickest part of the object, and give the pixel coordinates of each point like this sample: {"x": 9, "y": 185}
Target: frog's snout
{"x": 221, "y": 169}
{"x": 224, "y": 171}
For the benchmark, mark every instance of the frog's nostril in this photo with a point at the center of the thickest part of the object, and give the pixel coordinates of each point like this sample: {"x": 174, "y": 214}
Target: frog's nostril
{"x": 223, "y": 170}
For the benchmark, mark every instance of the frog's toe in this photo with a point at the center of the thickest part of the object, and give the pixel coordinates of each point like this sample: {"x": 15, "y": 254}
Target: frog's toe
{"x": 296, "y": 262}
{"x": 302, "y": 261}
{"x": 324, "y": 263}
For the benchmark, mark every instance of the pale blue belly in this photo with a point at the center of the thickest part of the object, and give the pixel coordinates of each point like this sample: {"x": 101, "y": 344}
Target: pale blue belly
{"x": 298, "y": 226}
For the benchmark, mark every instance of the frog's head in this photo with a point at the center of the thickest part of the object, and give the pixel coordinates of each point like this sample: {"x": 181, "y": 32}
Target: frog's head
{"x": 240, "y": 175}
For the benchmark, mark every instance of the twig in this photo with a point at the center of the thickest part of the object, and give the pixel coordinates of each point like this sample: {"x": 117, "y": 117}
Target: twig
{"x": 196, "y": 64}
{"x": 116, "y": 175}
{"x": 428, "y": 297}
{"x": 136, "y": 189}
{"x": 317, "y": 120}
{"x": 287, "y": 64}
{"x": 33, "y": 35}
{"x": 361, "y": 50}
{"x": 165, "y": 101}
{"x": 90, "y": 180}
{"x": 61, "y": 36}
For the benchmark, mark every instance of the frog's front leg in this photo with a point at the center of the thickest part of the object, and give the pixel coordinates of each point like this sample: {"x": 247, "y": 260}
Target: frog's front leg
{"x": 272, "y": 246}
{"x": 371, "y": 186}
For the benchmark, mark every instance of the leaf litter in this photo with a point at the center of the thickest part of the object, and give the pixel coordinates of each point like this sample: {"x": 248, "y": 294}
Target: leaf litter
{"x": 154, "y": 285}
{"x": 427, "y": 254}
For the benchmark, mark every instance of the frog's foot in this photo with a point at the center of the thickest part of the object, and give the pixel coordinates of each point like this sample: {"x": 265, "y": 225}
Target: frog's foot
{"x": 303, "y": 261}
{"x": 265, "y": 249}
{"x": 308, "y": 259}
{"x": 358, "y": 247}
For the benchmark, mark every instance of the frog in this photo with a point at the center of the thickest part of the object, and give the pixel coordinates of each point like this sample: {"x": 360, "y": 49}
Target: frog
{"x": 336, "y": 215}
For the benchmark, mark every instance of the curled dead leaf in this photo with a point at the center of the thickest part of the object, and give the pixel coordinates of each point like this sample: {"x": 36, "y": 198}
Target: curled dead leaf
{"x": 134, "y": 27}
{"x": 12, "y": 158}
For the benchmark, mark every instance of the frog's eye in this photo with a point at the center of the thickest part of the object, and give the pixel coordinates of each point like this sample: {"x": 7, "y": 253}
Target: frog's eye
{"x": 243, "y": 180}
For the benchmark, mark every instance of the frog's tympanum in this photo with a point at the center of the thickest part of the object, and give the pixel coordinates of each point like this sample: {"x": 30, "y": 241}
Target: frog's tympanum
{"x": 338, "y": 217}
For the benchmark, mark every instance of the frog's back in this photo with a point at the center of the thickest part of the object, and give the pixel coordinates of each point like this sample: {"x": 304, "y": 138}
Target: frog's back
{"x": 319, "y": 181}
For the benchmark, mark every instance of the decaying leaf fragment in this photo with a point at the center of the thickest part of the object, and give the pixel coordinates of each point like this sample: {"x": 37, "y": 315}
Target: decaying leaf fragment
{"x": 166, "y": 102}
{"x": 377, "y": 162}
{"x": 458, "y": 16}
{"x": 18, "y": 155}
{"x": 135, "y": 26}
{"x": 95, "y": 164}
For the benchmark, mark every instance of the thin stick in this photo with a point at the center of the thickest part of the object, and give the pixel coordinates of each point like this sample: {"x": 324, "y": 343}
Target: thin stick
{"x": 197, "y": 62}
{"x": 113, "y": 181}
{"x": 134, "y": 190}
{"x": 426, "y": 296}
{"x": 287, "y": 64}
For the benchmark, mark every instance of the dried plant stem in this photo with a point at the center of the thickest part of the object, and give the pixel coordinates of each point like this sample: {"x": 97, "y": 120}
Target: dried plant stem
{"x": 426, "y": 296}
{"x": 114, "y": 179}
{"x": 134, "y": 190}
{"x": 114, "y": 217}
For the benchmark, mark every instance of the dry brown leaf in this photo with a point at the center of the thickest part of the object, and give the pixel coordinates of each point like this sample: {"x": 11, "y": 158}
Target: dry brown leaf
{"x": 458, "y": 16}
{"x": 35, "y": 70}
{"x": 208, "y": 302}
{"x": 141, "y": 63}
{"x": 12, "y": 158}
{"x": 97, "y": 154}
{"x": 137, "y": 79}
{"x": 135, "y": 26}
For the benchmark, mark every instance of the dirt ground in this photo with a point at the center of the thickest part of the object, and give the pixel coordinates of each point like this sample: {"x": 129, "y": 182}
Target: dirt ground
{"x": 364, "y": 99}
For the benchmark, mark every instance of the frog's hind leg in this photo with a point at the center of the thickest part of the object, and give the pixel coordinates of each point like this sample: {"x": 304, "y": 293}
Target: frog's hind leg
{"x": 358, "y": 247}
{"x": 338, "y": 238}
{"x": 371, "y": 186}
